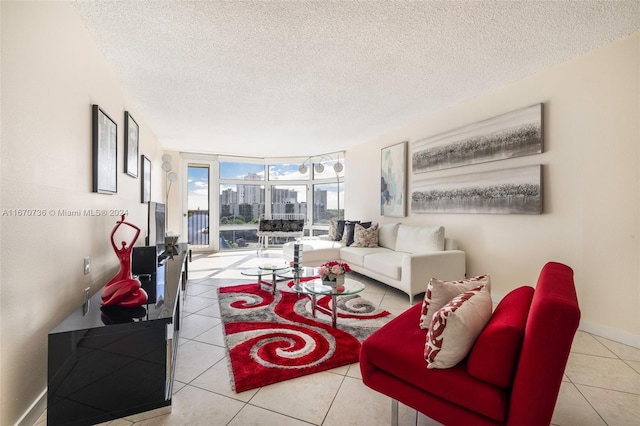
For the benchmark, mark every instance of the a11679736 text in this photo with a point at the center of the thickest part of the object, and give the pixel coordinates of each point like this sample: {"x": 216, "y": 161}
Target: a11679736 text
{"x": 63, "y": 212}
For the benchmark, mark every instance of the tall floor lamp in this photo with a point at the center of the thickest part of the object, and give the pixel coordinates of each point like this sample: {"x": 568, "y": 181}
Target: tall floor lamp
{"x": 318, "y": 166}
{"x": 170, "y": 241}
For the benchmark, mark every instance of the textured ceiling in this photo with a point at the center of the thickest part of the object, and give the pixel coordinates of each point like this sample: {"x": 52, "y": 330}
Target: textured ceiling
{"x": 299, "y": 78}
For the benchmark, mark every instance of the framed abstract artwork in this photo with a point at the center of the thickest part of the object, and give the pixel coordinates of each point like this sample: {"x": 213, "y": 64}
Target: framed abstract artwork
{"x": 507, "y": 191}
{"x": 131, "y": 145}
{"x": 105, "y": 152}
{"x": 393, "y": 180}
{"x": 145, "y": 182}
{"x": 514, "y": 134}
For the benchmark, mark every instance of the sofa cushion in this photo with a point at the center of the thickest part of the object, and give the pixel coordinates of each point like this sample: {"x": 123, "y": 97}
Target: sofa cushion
{"x": 439, "y": 293}
{"x": 387, "y": 263}
{"x": 495, "y": 354}
{"x": 292, "y": 225}
{"x": 419, "y": 239}
{"x": 365, "y": 237}
{"x": 335, "y": 230}
{"x": 387, "y": 235}
{"x": 270, "y": 225}
{"x": 456, "y": 326}
{"x": 349, "y": 230}
{"x": 314, "y": 252}
{"x": 356, "y": 255}
{"x": 397, "y": 350}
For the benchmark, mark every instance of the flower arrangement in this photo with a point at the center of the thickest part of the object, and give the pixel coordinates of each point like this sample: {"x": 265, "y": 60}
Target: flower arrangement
{"x": 330, "y": 271}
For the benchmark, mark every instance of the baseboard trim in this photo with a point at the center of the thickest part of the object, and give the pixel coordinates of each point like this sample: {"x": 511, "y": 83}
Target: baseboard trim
{"x": 31, "y": 416}
{"x": 610, "y": 333}
{"x": 616, "y": 335}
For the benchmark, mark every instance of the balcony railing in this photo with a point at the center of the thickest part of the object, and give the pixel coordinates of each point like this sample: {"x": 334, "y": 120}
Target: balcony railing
{"x": 289, "y": 216}
{"x": 198, "y": 227}
{"x": 239, "y": 236}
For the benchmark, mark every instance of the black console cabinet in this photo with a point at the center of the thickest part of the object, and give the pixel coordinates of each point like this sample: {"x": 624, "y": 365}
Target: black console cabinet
{"x": 107, "y": 363}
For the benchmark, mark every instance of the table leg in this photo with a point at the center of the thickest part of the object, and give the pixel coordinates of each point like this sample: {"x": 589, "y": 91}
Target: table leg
{"x": 297, "y": 289}
{"x": 259, "y": 282}
{"x": 313, "y": 305}
{"x": 296, "y": 284}
{"x": 334, "y": 310}
{"x": 274, "y": 283}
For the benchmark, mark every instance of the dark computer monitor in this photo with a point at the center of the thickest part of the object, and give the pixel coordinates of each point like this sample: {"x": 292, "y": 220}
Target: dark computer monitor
{"x": 157, "y": 220}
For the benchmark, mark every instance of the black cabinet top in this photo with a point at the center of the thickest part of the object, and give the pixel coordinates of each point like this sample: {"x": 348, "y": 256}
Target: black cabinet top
{"x": 163, "y": 289}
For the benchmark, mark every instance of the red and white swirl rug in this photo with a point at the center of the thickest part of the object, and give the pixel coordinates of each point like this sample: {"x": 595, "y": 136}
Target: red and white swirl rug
{"x": 275, "y": 338}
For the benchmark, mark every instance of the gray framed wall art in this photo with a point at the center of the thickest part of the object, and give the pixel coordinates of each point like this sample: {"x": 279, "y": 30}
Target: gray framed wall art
{"x": 508, "y": 191}
{"x": 514, "y": 134}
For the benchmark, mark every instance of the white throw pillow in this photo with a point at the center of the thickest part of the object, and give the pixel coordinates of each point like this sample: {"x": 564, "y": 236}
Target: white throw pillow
{"x": 439, "y": 293}
{"x": 456, "y": 326}
{"x": 419, "y": 239}
{"x": 387, "y": 235}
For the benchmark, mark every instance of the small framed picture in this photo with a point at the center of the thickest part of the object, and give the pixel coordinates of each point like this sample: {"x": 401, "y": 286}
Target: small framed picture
{"x": 131, "y": 138}
{"x": 105, "y": 152}
{"x": 145, "y": 188}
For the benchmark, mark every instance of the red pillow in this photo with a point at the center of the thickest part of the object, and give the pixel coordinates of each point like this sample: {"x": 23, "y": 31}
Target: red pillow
{"x": 495, "y": 354}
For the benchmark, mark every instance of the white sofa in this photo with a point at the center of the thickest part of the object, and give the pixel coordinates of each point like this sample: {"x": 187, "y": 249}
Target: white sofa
{"x": 406, "y": 258}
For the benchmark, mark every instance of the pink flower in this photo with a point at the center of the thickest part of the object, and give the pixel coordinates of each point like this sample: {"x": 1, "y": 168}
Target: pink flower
{"x": 333, "y": 269}
{"x": 337, "y": 270}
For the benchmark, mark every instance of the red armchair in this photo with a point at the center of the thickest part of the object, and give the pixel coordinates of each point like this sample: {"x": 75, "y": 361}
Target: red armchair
{"x": 513, "y": 373}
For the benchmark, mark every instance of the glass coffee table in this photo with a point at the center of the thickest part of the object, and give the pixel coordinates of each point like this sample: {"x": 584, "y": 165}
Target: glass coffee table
{"x": 296, "y": 275}
{"x": 316, "y": 288}
{"x": 266, "y": 269}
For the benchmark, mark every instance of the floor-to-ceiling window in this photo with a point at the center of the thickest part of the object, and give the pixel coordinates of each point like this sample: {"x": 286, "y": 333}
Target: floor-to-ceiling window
{"x": 327, "y": 184}
{"x": 249, "y": 189}
{"x": 288, "y": 191}
{"x": 242, "y": 202}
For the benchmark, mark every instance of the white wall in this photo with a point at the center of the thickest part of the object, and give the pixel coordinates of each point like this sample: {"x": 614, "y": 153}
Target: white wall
{"x": 52, "y": 72}
{"x": 590, "y": 182}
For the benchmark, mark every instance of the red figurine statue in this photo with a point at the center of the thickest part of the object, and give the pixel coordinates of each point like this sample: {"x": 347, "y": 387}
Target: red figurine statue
{"x": 123, "y": 290}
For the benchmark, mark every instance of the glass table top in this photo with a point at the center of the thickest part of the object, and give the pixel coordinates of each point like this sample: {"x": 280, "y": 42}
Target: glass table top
{"x": 318, "y": 287}
{"x": 255, "y": 272}
{"x": 304, "y": 272}
{"x": 273, "y": 267}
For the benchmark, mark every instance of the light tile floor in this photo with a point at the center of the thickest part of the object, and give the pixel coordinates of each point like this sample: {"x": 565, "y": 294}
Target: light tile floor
{"x": 601, "y": 384}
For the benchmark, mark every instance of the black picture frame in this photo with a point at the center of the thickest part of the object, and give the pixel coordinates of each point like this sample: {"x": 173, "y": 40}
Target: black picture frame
{"x": 105, "y": 152}
{"x": 131, "y": 145}
{"x": 145, "y": 186}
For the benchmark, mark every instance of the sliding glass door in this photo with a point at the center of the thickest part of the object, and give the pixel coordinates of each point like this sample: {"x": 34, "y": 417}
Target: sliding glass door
{"x": 198, "y": 210}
